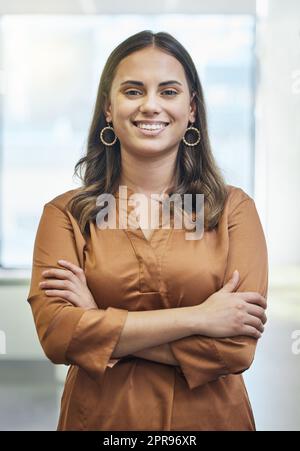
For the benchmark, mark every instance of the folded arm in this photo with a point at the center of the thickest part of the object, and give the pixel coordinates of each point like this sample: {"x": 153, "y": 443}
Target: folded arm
{"x": 202, "y": 358}
{"x": 69, "y": 334}
{"x": 160, "y": 354}
{"x": 89, "y": 338}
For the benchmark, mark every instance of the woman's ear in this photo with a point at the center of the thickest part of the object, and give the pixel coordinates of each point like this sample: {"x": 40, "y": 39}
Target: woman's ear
{"x": 193, "y": 107}
{"x": 107, "y": 110}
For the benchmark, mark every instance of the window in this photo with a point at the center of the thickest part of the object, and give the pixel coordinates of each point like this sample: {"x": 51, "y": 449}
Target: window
{"x": 50, "y": 70}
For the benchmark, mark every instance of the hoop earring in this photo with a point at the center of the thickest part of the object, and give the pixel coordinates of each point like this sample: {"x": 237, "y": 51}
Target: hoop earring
{"x": 108, "y": 127}
{"x": 198, "y": 138}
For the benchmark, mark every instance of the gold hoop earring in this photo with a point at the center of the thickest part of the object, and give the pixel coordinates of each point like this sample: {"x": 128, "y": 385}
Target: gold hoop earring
{"x": 108, "y": 127}
{"x": 198, "y": 138}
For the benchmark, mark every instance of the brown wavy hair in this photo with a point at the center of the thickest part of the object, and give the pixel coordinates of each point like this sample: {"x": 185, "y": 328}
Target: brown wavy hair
{"x": 100, "y": 168}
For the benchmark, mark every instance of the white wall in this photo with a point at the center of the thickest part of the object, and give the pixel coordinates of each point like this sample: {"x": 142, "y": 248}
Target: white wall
{"x": 16, "y": 321}
{"x": 278, "y": 129}
{"x": 126, "y": 7}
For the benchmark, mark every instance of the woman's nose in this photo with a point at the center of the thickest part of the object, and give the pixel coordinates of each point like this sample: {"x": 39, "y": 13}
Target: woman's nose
{"x": 150, "y": 103}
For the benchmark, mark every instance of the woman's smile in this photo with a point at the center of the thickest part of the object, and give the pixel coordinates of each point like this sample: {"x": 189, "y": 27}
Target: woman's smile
{"x": 150, "y": 129}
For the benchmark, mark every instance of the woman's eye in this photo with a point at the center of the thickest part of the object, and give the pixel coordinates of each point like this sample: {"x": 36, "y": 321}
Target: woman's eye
{"x": 170, "y": 91}
{"x": 131, "y": 90}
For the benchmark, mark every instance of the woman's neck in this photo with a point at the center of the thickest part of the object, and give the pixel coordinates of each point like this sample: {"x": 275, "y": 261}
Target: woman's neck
{"x": 146, "y": 175}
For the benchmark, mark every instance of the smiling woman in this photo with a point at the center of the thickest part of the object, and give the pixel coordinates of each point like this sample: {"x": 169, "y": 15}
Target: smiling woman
{"x": 146, "y": 317}
{"x": 132, "y": 96}
{"x": 149, "y": 108}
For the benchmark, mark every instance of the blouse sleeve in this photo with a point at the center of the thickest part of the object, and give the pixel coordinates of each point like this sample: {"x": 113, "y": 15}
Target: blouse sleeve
{"x": 203, "y": 359}
{"x": 69, "y": 334}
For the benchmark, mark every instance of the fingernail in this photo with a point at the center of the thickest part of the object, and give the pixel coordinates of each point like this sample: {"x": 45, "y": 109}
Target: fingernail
{"x": 61, "y": 261}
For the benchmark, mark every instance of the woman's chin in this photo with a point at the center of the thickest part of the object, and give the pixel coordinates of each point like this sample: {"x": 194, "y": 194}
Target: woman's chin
{"x": 150, "y": 150}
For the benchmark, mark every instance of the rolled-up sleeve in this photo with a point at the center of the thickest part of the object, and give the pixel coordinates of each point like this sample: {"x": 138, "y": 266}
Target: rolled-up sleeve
{"x": 69, "y": 334}
{"x": 203, "y": 359}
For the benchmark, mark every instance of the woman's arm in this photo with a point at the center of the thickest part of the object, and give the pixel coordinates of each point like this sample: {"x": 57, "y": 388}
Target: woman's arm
{"x": 204, "y": 359}
{"x": 144, "y": 333}
{"x": 160, "y": 354}
{"x": 147, "y": 329}
{"x": 142, "y": 330}
{"x": 69, "y": 334}
{"x": 252, "y": 320}
{"x": 228, "y": 355}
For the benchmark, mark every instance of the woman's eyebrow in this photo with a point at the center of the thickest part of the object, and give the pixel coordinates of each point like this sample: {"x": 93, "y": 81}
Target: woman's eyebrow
{"x": 140, "y": 83}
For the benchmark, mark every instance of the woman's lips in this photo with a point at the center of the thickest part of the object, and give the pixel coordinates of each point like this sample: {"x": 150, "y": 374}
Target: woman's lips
{"x": 148, "y": 132}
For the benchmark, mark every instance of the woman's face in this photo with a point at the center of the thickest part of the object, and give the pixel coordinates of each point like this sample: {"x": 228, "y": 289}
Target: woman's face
{"x": 147, "y": 98}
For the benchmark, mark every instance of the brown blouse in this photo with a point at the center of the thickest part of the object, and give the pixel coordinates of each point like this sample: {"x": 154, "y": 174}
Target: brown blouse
{"x": 126, "y": 272}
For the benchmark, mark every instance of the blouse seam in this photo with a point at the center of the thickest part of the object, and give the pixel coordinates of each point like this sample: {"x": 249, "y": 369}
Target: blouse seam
{"x": 247, "y": 199}
{"x": 219, "y": 356}
{"x": 72, "y": 337}
{"x": 162, "y": 264}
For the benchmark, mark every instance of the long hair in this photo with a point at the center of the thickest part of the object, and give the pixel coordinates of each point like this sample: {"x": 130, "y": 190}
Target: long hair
{"x": 100, "y": 168}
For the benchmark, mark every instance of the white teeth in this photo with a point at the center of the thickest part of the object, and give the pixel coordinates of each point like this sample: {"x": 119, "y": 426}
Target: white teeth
{"x": 151, "y": 127}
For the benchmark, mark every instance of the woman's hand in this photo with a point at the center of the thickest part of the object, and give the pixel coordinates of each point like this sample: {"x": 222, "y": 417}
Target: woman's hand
{"x": 70, "y": 284}
{"x": 227, "y": 314}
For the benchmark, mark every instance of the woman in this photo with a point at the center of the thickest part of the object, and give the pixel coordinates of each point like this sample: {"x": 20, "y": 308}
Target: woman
{"x": 156, "y": 328}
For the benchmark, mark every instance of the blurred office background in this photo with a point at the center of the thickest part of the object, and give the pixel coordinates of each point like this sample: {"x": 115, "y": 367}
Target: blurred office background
{"x": 51, "y": 55}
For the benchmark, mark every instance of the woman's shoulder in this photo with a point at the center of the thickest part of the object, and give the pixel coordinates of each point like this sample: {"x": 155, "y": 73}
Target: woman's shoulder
{"x": 61, "y": 200}
{"x": 236, "y": 196}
